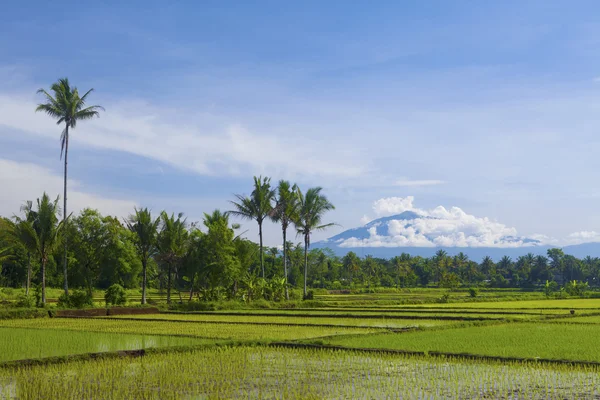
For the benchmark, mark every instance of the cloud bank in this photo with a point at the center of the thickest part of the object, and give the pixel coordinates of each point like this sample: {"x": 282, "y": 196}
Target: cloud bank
{"x": 437, "y": 227}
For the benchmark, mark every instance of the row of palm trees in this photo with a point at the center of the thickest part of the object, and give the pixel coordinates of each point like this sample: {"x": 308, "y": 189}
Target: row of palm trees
{"x": 286, "y": 204}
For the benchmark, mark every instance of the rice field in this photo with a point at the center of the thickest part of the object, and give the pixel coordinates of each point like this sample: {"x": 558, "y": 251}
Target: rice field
{"x": 381, "y": 322}
{"x": 259, "y": 372}
{"x": 239, "y": 353}
{"x": 231, "y": 331}
{"x": 560, "y": 341}
{"x": 23, "y": 343}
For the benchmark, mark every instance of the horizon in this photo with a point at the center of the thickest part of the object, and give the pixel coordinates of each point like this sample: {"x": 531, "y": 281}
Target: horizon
{"x": 494, "y": 117}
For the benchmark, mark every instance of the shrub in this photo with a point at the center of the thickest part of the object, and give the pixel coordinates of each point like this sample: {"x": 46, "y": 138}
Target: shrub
{"x": 444, "y": 299}
{"x": 575, "y": 288}
{"x": 473, "y": 292}
{"x": 310, "y": 295}
{"x": 25, "y": 301}
{"x": 550, "y": 287}
{"x": 77, "y": 299}
{"x": 115, "y": 295}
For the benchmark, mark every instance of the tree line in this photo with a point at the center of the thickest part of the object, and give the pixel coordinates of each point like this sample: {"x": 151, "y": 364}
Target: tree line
{"x": 210, "y": 259}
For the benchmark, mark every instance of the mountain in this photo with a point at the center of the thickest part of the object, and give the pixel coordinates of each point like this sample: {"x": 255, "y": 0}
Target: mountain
{"x": 424, "y": 235}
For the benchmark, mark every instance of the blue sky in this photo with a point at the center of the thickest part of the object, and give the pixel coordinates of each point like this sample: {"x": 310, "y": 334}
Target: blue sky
{"x": 493, "y": 107}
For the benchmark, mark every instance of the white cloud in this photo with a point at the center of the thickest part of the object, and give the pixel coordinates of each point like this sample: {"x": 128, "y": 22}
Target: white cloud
{"x": 416, "y": 182}
{"x": 436, "y": 227}
{"x": 25, "y": 181}
{"x": 393, "y": 205}
{"x": 205, "y": 144}
{"x": 583, "y": 237}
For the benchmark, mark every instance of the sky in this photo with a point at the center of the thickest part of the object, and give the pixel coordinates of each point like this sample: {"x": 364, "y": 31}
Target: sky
{"x": 489, "y": 107}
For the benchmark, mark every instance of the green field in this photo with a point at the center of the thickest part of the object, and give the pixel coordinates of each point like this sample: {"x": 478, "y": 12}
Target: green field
{"x": 219, "y": 331}
{"x": 292, "y": 320}
{"x": 528, "y": 340}
{"x": 23, "y": 343}
{"x": 294, "y": 374}
{"x": 238, "y": 358}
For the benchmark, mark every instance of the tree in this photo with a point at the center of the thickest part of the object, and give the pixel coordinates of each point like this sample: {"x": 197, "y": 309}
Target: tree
{"x": 145, "y": 231}
{"x": 284, "y": 212}
{"x": 256, "y": 207}
{"x": 41, "y": 234}
{"x": 223, "y": 267}
{"x": 312, "y": 206}
{"x": 172, "y": 241}
{"x": 66, "y": 106}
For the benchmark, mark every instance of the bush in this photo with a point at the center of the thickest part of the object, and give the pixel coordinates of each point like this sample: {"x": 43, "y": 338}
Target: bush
{"x": 25, "y": 301}
{"x": 444, "y": 299}
{"x": 473, "y": 292}
{"x": 77, "y": 299}
{"x": 310, "y": 295}
{"x": 115, "y": 295}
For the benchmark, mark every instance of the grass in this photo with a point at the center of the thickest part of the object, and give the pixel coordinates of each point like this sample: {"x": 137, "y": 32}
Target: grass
{"x": 256, "y": 372}
{"x": 205, "y": 330}
{"x": 22, "y": 343}
{"x": 528, "y": 340}
{"x": 292, "y": 320}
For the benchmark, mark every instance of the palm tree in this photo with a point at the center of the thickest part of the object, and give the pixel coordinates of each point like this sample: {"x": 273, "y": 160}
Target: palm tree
{"x": 145, "y": 231}
{"x": 311, "y": 208}
{"x": 40, "y": 234}
{"x": 256, "y": 207}
{"x": 66, "y": 106}
{"x": 172, "y": 241}
{"x": 285, "y": 211}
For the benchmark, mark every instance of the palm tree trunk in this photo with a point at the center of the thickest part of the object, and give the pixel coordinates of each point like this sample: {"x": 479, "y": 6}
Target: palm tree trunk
{"x": 285, "y": 273}
{"x": 28, "y": 274}
{"x": 43, "y": 281}
{"x": 262, "y": 261}
{"x": 305, "y": 262}
{"x": 144, "y": 262}
{"x": 169, "y": 284}
{"x": 66, "y": 285}
{"x": 192, "y": 287}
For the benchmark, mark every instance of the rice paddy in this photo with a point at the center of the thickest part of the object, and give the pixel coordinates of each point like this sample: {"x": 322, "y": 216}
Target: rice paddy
{"x": 258, "y": 372}
{"x": 240, "y": 353}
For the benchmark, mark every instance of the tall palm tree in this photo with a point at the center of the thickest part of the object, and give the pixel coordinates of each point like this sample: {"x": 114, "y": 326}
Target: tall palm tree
{"x": 312, "y": 206}
{"x": 256, "y": 207}
{"x": 145, "y": 231}
{"x": 284, "y": 212}
{"x": 172, "y": 241}
{"x": 40, "y": 234}
{"x": 67, "y": 107}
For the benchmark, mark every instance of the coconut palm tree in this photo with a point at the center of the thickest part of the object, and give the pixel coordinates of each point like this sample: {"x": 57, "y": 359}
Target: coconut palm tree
{"x": 284, "y": 212}
{"x": 67, "y": 107}
{"x": 312, "y": 206}
{"x": 145, "y": 231}
{"x": 40, "y": 234}
{"x": 256, "y": 207}
{"x": 172, "y": 241}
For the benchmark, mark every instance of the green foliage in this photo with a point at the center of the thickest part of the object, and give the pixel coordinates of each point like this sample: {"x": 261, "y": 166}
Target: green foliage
{"x": 473, "y": 292}
{"x": 550, "y": 287}
{"x": 25, "y": 301}
{"x": 115, "y": 295}
{"x": 574, "y": 288}
{"x": 310, "y": 295}
{"x": 76, "y": 299}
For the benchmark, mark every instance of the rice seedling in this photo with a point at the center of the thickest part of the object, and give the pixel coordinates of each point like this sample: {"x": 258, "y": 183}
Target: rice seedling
{"x": 528, "y": 340}
{"x": 381, "y": 322}
{"x": 205, "y": 330}
{"x": 23, "y": 343}
{"x": 259, "y": 372}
